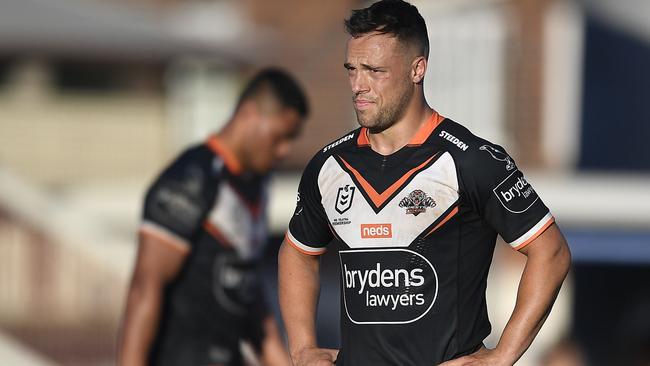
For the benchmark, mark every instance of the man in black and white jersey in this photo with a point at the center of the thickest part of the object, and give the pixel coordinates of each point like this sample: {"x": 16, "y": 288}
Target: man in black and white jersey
{"x": 412, "y": 202}
{"x": 195, "y": 293}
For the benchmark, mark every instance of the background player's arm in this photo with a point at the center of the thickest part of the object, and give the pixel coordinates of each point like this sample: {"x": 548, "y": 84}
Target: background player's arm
{"x": 299, "y": 287}
{"x": 159, "y": 261}
{"x": 274, "y": 352}
{"x": 547, "y": 265}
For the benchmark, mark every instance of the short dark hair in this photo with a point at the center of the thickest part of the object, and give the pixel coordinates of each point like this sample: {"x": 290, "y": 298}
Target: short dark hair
{"x": 282, "y": 86}
{"x": 395, "y": 17}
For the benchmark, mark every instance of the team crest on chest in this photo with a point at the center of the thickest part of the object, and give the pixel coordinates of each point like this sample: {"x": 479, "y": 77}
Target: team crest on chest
{"x": 344, "y": 198}
{"x": 417, "y": 202}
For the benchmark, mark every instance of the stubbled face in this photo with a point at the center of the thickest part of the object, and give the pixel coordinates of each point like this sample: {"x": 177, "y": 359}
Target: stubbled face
{"x": 379, "y": 73}
{"x": 272, "y": 138}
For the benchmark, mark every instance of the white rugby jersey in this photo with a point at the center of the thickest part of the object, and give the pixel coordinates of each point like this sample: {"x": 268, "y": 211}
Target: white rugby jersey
{"x": 415, "y": 232}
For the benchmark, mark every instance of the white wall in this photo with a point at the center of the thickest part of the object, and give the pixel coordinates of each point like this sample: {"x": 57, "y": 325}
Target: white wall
{"x": 465, "y": 79}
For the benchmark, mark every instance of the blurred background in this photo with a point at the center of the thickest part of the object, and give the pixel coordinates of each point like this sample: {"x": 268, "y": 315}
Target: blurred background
{"x": 96, "y": 96}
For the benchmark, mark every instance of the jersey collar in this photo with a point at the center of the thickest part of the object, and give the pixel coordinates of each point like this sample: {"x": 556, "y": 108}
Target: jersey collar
{"x": 219, "y": 148}
{"x": 418, "y": 139}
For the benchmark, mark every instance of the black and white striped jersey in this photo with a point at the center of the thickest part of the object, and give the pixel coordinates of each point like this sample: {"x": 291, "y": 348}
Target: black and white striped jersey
{"x": 415, "y": 232}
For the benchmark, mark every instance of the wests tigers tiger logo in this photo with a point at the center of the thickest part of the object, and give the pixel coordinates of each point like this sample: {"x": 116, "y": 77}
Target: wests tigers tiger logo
{"x": 417, "y": 202}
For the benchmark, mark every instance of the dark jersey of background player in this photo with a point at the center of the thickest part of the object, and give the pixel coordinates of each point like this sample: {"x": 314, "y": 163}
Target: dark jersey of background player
{"x": 195, "y": 294}
{"x": 207, "y": 204}
{"x": 413, "y": 203}
{"x": 415, "y": 232}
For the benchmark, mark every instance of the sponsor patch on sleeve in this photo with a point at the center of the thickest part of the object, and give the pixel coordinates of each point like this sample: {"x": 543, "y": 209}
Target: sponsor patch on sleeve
{"x": 515, "y": 193}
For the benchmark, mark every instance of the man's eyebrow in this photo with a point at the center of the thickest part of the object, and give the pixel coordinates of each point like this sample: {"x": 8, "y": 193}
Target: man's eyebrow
{"x": 370, "y": 67}
{"x": 348, "y": 66}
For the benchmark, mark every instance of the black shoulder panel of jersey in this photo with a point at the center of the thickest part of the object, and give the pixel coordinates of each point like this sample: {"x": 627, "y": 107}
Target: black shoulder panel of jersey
{"x": 476, "y": 158}
{"x": 493, "y": 184}
{"x": 346, "y": 140}
{"x": 181, "y": 195}
{"x": 316, "y": 162}
{"x": 460, "y": 141}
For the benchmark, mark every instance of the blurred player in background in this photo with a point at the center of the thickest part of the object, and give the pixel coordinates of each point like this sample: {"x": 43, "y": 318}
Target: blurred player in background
{"x": 195, "y": 292}
{"x": 412, "y": 203}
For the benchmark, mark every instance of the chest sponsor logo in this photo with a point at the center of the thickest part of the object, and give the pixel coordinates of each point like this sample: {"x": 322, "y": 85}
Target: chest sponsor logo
{"x": 499, "y": 155}
{"x": 417, "y": 202}
{"x": 234, "y": 283}
{"x": 515, "y": 193}
{"x": 376, "y": 231}
{"x": 344, "y": 198}
{"x": 387, "y": 286}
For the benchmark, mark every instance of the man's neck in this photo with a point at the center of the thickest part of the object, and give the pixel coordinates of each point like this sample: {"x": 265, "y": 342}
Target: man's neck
{"x": 230, "y": 138}
{"x": 399, "y": 134}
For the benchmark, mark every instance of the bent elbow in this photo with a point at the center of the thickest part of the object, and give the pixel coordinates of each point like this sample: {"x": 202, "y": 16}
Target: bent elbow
{"x": 562, "y": 258}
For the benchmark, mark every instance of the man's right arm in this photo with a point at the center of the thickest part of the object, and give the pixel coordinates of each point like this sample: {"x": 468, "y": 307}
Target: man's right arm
{"x": 299, "y": 287}
{"x": 175, "y": 206}
{"x": 159, "y": 261}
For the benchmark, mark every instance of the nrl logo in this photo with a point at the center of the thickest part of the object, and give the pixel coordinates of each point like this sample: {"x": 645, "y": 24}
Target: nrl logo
{"x": 417, "y": 202}
{"x": 344, "y": 199}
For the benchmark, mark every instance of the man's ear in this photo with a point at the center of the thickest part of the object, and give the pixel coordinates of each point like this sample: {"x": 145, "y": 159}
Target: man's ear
{"x": 248, "y": 115}
{"x": 418, "y": 69}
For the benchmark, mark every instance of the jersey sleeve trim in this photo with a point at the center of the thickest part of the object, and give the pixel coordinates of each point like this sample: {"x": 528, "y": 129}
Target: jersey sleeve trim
{"x": 305, "y": 249}
{"x": 164, "y": 235}
{"x": 533, "y": 233}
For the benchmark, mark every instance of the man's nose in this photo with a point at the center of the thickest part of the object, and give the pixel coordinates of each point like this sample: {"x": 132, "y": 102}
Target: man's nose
{"x": 359, "y": 83}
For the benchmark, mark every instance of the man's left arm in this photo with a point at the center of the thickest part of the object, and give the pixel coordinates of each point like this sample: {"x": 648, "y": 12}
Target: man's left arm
{"x": 547, "y": 264}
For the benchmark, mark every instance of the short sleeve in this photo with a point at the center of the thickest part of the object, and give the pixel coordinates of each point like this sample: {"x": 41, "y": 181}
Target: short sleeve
{"x": 309, "y": 230}
{"x": 177, "y": 202}
{"x": 505, "y": 199}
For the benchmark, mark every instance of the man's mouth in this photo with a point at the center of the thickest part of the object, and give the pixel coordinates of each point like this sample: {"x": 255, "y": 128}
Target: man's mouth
{"x": 362, "y": 103}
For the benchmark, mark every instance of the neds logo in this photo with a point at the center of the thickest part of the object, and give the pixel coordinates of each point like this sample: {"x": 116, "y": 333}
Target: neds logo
{"x": 376, "y": 231}
{"x": 387, "y": 286}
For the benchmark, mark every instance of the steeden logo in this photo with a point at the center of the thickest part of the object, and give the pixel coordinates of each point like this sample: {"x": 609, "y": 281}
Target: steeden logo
{"x": 376, "y": 231}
